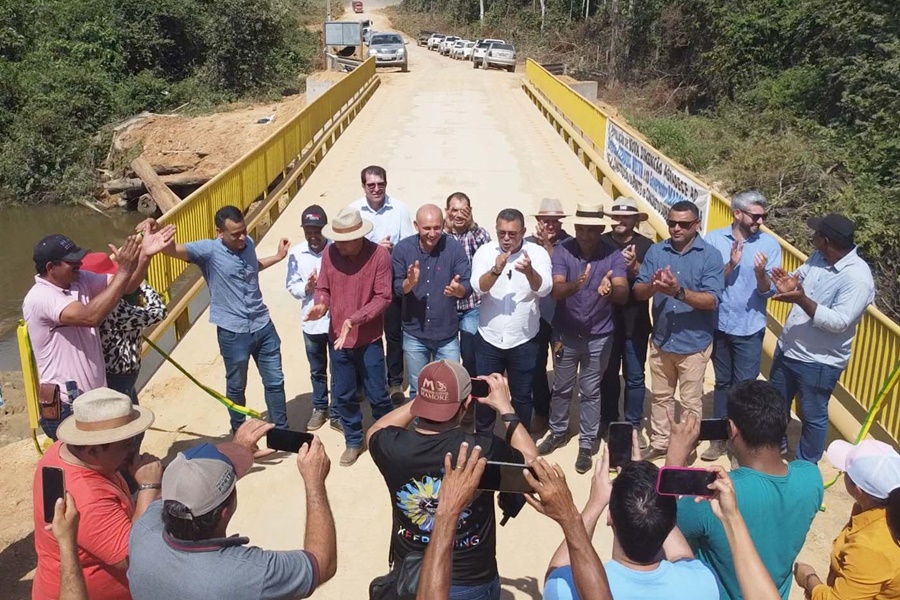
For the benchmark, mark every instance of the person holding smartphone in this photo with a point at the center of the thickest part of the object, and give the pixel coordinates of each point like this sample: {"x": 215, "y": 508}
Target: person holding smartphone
{"x": 411, "y": 461}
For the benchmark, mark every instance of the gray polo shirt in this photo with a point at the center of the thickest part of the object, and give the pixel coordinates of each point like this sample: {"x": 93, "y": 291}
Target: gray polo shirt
{"x": 236, "y": 302}
{"x": 160, "y": 566}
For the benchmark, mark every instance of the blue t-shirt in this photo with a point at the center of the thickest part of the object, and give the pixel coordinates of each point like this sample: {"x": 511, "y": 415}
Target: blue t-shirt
{"x": 681, "y": 580}
{"x": 778, "y": 511}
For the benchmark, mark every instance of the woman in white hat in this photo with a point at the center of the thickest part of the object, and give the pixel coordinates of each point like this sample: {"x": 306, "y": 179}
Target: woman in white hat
{"x": 865, "y": 559}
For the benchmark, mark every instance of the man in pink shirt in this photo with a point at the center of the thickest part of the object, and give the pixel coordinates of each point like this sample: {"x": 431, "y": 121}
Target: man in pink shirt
{"x": 355, "y": 286}
{"x": 65, "y": 307}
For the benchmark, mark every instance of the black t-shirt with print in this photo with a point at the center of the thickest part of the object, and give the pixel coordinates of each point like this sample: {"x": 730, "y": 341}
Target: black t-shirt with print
{"x": 633, "y": 318}
{"x": 412, "y": 466}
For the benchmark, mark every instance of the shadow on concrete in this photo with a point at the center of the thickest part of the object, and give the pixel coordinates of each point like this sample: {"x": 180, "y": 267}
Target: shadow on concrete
{"x": 16, "y": 561}
{"x": 525, "y": 585}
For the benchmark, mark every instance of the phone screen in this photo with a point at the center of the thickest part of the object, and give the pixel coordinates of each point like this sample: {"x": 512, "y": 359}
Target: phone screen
{"x": 287, "y": 440}
{"x": 505, "y": 477}
{"x": 54, "y": 489}
{"x": 480, "y": 388}
{"x": 619, "y": 444}
{"x": 714, "y": 429}
{"x": 675, "y": 481}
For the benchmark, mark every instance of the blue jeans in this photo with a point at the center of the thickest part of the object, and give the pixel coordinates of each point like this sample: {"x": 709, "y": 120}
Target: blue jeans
{"x": 735, "y": 358}
{"x": 486, "y": 591}
{"x": 50, "y": 427}
{"x": 318, "y": 349}
{"x": 814, "y": 383}
{"x": 264, "y": 346}
{"x": 123, "y": 384}
{"x": 468, "y": 327}
{"x": 419, "y": 352}
{"x": 540, "y": 385}
{"x": 518, "y": 364}
{"x": 631, "y": 355}
{"x": 352, "y": 366}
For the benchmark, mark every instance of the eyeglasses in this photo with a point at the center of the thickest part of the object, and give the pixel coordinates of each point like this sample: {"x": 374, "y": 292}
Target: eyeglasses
{"x": 377, "y": 185}
{"x": 757, "y": 217}
{"x": 507, "y": 234}
{"x": 683, "y": 224}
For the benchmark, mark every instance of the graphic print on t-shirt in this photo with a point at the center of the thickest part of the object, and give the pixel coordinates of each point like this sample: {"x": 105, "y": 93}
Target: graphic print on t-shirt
{"x": 418, "y": 501}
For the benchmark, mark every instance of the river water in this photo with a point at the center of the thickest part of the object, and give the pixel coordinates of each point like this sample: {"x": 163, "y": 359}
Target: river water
{"x": 20, "y": 229}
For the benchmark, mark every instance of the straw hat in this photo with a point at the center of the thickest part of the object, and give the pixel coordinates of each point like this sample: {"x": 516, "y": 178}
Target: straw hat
{"x": 589, "y": 214}
{"x": 551, "y": 207}
{"x": 624, "y": 206}
{"x": 347, "y": 226}
{"x": 103, "y": 416}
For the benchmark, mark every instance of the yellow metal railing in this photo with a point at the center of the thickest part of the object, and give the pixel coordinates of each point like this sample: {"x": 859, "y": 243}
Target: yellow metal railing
{"x": 876, "y": 347}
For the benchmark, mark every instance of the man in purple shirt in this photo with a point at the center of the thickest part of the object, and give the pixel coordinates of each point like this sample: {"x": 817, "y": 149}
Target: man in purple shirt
{"x": 588, "y": 278}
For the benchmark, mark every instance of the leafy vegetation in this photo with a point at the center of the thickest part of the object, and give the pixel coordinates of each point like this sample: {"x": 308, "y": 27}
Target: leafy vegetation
{"x": 68, "y": 68}
{"x": 798, "y": 98}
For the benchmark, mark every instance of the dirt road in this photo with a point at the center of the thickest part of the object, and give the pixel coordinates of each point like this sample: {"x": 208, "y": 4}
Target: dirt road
{"x": 441, "y": 127}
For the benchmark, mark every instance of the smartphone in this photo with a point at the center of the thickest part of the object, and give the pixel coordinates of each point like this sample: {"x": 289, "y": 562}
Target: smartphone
{"x": 287, "y": 440}
{"x": 480, "y": 388}
{"x": 619, "y": 444}
{"x": 54, "y": 486}
{"x": 714, "y": 429}
{"x": 686, "y": 481}
{"x": 505, "y": 477}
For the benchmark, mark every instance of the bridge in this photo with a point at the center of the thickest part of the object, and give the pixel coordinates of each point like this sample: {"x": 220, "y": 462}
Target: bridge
{"x": 504, "y": 139}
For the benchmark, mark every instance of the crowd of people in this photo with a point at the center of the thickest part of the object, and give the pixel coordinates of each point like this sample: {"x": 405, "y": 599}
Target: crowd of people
{"x": 434, "y": 297}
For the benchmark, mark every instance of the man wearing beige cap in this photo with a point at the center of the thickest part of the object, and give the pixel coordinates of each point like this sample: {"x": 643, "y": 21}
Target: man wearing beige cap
{"x": 180, "y": 548}
{"x": 99, "y": 439}
{"x": 355, "y": 286}
{"x": 410, "y": 460}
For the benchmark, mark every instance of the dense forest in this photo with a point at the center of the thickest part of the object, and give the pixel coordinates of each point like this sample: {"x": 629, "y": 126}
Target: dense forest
{"x": 799, "y": 98}
{"x": 70, "y": 68}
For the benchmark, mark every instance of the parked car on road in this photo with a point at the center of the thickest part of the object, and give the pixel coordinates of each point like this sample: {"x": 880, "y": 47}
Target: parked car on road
{"x": 389, "y": 50}
{"x": 467, "y": 51}
{"x": 502, "y": 56}
{"x": 357, "y": 6}
{"x": 481, "y": 49}
{"x": 435, "y": 40}
{"x": 446, "y": 44}
{"x": 422, "y": 38}
{"x": 458, "y": 47}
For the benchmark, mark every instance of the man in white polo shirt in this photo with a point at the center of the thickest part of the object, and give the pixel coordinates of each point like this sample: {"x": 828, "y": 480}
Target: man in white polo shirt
{"x": 512, "y": 274}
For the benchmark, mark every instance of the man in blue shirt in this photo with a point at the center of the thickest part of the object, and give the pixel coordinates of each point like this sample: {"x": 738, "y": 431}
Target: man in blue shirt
{"x": 684, "y": 276}
{"x": 778, "y": 500}
{"x": 431, "y": 272}
{"x": 231, "y": 269}
{"x": 750, "y": 256}
{"x": 830, "y": 293}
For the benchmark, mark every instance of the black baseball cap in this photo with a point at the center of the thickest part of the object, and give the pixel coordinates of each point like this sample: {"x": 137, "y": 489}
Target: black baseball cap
{"x": 314, "y": 216}
{"x": 835, "y": 227}
{"x": 57, "y": 247}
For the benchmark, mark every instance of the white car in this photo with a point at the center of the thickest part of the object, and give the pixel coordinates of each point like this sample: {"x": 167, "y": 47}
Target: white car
{"x": 435, "y": 40}
{"x": 446, "y": 44}
{"x": 502, "y": 56}
{"x": 481, "y": 49}
{"x": 458, "y": 47}
{"x": 467, "y": 51}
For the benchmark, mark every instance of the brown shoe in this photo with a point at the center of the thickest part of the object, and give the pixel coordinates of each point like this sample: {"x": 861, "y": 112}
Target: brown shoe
{"x": 349, "y": 456}
{"x": 716, "y": 449}
{"x": 652, "y": 453}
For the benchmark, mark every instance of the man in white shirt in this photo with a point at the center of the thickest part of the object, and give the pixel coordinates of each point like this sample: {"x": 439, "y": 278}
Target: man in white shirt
{"x": 304, "y": 263}
{"x": 512, "y": 274}
{"x": 391, "y": 223}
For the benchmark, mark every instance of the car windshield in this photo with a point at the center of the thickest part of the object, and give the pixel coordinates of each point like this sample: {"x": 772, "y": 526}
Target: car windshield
{"x": 501, "y": 47}
{"x": 386, "y": 39}
{"x": 482, "y": 45}
{"x": 470, "y": 45}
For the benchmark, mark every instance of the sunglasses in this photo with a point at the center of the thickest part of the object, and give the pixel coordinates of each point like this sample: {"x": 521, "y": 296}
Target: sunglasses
{"x": 375, "y": 186}
{"x": 758, "y": 217}
{"x": 683, "y": 224}
{"x": 507, "y": 234}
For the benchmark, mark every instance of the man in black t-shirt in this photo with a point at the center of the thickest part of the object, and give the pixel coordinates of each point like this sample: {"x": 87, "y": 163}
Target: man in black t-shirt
{"x": 411, "y": 462}
{"x": 632, "y": 323}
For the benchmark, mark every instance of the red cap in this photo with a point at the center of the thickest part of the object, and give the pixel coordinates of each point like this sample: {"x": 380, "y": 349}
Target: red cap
{"x": 99, "y": 263}
{"x": 443, "y": 386}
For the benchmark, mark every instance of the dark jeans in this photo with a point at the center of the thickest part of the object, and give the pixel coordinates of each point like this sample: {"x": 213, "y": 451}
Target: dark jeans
{"x": 540, "y": 387}
{"x": 264, "y": 346}
{"x": 468, "y": 327}
{"x": 393, "y": 333}
{"x": 735, "y": 358}
{"x": 486, "y": 591}
{"x": 349, "y": 368}
{"x": 631, "y": 355}
{"x": 814, "y": 383}
{"x": 518, "y": 364}
{"x": 123, "y": 384}
{"x": 318, "y": 349}
{"x": 50, "y": 427}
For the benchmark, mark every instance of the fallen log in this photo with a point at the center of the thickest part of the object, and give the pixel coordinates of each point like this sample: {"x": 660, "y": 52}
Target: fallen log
{"x": 127, "y": 185}
{"x": 165, "y": 198}
{"x": 165, "y": 169}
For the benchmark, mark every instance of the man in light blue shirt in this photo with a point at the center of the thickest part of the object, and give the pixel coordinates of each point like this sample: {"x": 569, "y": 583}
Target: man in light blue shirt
{"x": 749, "y": 255}
{"x": 231, "y": 269}
{"x": 391, "y": 223}
{"x": 830, "y": 293}
{"x": 304, "y": 264}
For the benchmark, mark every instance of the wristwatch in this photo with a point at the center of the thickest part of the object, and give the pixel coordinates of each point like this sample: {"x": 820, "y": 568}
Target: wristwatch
{"x": 495, "y": 272}
{"x": 679, "y": 295}
{"x": 149, "y": 486}
{"x": 512, "y": 421}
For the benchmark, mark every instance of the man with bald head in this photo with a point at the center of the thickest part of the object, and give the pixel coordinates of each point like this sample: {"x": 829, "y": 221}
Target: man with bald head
{"x": 431, "y": 272}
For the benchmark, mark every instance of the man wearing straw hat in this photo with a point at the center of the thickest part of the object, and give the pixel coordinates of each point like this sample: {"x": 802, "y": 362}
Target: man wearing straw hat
{"x": 355, "y": 286}
{"x": 100, "y": 438}
{"x": 588, "y": 278}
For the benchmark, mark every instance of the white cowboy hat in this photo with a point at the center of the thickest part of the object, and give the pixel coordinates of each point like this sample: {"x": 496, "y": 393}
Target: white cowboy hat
{"x": 103, "y": 416}
{"x": 347, "y": 226}
{"x": 589, "y": 214}
{"x": 624, "y": 206}
{"x": 551, "y": 207}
